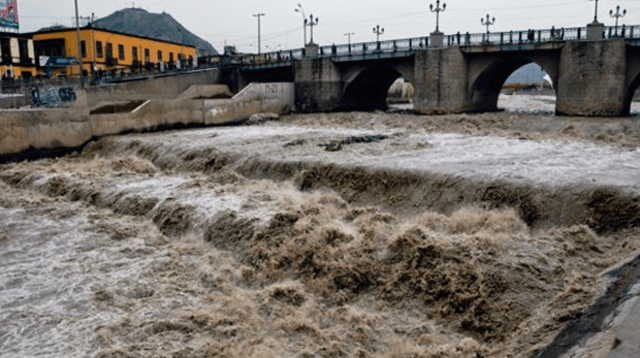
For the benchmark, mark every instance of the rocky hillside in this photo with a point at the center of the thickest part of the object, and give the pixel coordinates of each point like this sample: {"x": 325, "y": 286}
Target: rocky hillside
{"x": 160, "y": 26}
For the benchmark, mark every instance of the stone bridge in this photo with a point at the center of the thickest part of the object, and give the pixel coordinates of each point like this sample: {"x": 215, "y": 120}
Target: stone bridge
{"x": 595, "y": 70}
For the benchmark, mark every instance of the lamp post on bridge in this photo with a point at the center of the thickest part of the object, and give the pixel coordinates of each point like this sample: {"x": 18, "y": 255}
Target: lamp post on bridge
{"x": 304, "y": 23}
{"x": 437, "y": 37}
{"x": 311, "y": 49}
{"x": 617, "y": 15}
{"x": 488, "y": 22}
{"x": 258, "y": 16}
{"x": 348, "y": 34}
{"x": 595, "y": 16}
{"x": 595, "y": 29}
{"x": 311, "y": 24}
{"x": 438, "y": 10}
{"x": 378, "y": 31}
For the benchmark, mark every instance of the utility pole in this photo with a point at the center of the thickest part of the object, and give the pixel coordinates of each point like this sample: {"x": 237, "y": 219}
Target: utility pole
{"x": 304, "y": 23}
{"x": 617, "y": 15}
{"x": 438, "y": 10}
{"x": 488, "y": 23}
{"x": 258, "y": 16}
{"x": 311, "y": 25}
{"x": 79, "y": 47}
{"x": 348, "y": 34}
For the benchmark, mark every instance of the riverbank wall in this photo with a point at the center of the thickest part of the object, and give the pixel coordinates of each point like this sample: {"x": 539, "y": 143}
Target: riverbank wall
{"x": 28, "y": 133}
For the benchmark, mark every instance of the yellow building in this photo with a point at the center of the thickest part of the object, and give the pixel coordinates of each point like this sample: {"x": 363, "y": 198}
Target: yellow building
{"x": 105, "y": 50}
{"x": 18, "y": 56}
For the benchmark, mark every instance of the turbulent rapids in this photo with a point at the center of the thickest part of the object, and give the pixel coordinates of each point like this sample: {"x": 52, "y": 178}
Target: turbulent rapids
{"x": 325, "y": 235}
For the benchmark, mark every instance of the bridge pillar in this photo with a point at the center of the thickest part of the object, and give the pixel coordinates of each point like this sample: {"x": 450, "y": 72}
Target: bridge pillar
{"x": 595, "y": 31}
{"x": 592, "y": 79}
{"x": 311, "y": 50}
{"x": 441, "y": 81}
{"x": 318, "y": 85}
{"x": 437, "y": 39}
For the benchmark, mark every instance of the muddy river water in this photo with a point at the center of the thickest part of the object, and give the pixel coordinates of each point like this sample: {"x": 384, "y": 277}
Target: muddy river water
{"x": 321, "y": 235}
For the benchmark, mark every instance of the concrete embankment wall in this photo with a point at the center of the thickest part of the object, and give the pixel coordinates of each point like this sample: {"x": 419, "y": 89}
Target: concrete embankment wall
{"x": 42, "y": 130}
{"x": 14, "y": 101}
{"x": 157, "y": 87}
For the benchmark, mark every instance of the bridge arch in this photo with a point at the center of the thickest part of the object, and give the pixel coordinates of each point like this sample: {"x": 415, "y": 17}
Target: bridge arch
{"x": 487, "y": 84}
{"x": 244, "y": 78}
{"x": 367, "y": 89}
{"x": 631, "y": 91}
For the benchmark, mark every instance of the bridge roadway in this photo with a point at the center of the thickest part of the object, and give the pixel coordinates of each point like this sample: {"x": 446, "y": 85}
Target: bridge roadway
{"x": 593, "y": 75}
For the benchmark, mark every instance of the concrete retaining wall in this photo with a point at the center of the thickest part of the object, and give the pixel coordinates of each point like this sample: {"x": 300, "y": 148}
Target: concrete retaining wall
{"x": 14, "y": 101}
{"x": 22, "y": 130}
{"x": 51, "y": 129}
{"x": 157, "y": 87}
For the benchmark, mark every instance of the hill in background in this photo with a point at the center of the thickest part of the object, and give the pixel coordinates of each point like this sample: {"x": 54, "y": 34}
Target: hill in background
{"x": 527, "y": 74}
{"x": 158, "y": 26}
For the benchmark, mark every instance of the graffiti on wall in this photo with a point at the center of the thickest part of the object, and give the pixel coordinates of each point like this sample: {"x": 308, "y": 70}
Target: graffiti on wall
{"x": 48, "y": 96}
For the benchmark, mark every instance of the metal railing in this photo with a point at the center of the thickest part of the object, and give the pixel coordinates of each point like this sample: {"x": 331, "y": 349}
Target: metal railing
{"x": 516, "y": 37}
{"x": 407, "y": 47}
{"x": 376, "y": 49}
{"x": 268, "y": 59}
{"x": 539, "y": 36}
{"x": 623, "y": 31}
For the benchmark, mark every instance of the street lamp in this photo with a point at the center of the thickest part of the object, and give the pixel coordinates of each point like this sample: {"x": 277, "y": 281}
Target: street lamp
{"x": 617, "y": 15}
{"x": 348, "y": 34}
{"x": 595, "y": 17}
{"x": 304, "y": 23}
{"x": 378, "y": 31}
{"x": 488, "y": 23}
{"x": 311, "y": 25}
{"x": 258, "y": 16}
{"x": 438, "y": 10}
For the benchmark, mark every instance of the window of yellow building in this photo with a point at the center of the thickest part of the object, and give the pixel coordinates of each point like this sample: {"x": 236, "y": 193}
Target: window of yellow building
{"x": 83, "y": 48}
{"x": 159, "y": 56}
{"x": 121, "y": 52}
{"x": 24, "y": 53}
{"x": 134, "y": 54}
{"x": 109, "y": 50}
{"x": 147, "y": 56}
{"x": 6, "y": 50}
{"x": 99, "y": 53}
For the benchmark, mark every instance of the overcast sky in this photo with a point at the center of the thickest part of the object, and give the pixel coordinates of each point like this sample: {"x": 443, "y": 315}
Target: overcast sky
{"x": 232, "y": 21}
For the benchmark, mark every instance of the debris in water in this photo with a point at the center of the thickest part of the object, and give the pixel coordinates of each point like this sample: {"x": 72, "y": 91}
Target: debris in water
{"x": 335, "y": 146}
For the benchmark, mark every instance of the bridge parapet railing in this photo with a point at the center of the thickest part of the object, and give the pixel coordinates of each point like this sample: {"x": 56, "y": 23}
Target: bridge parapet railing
{"x": 275, "y": 56}
{"x": 623, "y": 31}
{"x": 402, "y": 47}
{"x": 516, "y": 37}
{"x": 374, "y": 48}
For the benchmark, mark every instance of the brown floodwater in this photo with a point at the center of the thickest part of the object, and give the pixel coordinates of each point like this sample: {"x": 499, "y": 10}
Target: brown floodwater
{"x": 321, "y": 235}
